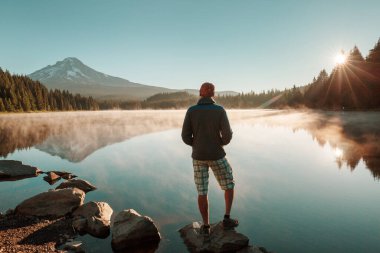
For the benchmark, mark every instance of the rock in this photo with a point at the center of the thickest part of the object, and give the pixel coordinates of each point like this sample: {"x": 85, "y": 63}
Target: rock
{"x": 131, "y": 230}
{"x": 65, "y": 175}
{"x": 51, "y": 177}
{"x": 74, "y": 246}
{"x": 10, "y": 212}
{"x": 67, "y": 237}
{"x": 77, "y": 183}
{"x": 69, "y": 176}
{"x": 220, "y": 240}
{"x": 93, "y": 218}
{"x": 79, "y": 224}
{"x": 15, "y": 170}
{"x": 54, "y": 203}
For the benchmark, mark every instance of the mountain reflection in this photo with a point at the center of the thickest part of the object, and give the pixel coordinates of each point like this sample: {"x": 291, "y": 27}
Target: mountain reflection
{"x": 73, "y": 136}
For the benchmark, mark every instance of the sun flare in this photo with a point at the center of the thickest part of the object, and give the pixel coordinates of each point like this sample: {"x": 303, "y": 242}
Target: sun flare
{"x": 338, "y": 153}
{"x": 340, "y": 58}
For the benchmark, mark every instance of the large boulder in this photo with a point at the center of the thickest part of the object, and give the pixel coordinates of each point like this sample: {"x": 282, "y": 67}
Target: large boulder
{"x": 93, "y": 218}
{"x": 77, "y": 183}
{"x": 13, "y": 170}
{"x": 219, "y": 240}
{"x": 56, "y": 203}
{"x": 132, "y": 230}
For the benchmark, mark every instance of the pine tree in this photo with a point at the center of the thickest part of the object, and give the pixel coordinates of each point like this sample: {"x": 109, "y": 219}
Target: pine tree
{"x": 20, "y": 93}
{"x": 374, "y": 54}
{"x": 323, "y": 76}
{"x": 9, "y": 106}
{"x": 2, "y": 106}
{"x": 26, "y": 103}
{"x": 355, "y": 56}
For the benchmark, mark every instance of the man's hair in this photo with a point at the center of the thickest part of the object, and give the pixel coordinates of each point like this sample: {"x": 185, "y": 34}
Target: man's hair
{"x": 207, "y": 90}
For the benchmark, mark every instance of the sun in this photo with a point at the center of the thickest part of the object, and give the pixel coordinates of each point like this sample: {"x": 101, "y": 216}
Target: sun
{"x": 340, "y": 58}
{"x": 338, "y": 153}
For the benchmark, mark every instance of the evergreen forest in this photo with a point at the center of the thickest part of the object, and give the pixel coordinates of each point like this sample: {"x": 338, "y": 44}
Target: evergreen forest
{"x": 21, "y": 94}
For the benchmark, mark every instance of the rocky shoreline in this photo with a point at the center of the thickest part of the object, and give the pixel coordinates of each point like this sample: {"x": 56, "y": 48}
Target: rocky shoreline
{"x": 30, "y": 234}
{"x": 51, "y": 221}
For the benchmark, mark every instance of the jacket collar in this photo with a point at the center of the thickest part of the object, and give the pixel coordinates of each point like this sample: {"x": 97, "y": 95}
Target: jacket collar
{"x": 206, "y": 101}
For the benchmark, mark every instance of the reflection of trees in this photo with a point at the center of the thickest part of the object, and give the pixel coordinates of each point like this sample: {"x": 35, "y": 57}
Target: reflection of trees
{"x": 74, "y": 136}
{"x": 357, "y": 134}
{"x": 15, "y": 134}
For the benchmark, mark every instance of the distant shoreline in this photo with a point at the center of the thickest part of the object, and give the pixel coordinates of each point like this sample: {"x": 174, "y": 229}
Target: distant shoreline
{"x": 183, "y": 109}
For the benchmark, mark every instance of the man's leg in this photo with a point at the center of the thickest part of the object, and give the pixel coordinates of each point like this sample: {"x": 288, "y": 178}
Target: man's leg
{"x": 228, "y": 198}
{"x": 227, "y": 221}
{"x": 201, "y": 181}
{"x": 203, "y": 208}
{"x": 223, "y": 173}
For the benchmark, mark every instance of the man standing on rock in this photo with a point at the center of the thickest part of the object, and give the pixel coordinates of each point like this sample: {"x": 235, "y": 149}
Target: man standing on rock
{"x": 206, "y": 128}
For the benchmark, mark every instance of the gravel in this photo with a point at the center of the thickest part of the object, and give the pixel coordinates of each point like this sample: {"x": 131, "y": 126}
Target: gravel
{"x": 33, "y": 235}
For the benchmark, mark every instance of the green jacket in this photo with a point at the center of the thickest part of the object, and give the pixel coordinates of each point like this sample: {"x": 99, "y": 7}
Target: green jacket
{"x": 206, "y": 128}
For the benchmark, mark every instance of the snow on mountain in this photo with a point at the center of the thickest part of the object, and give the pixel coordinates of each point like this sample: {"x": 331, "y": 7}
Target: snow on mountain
{"x": 73, "y": 75}
{"x": 73, "y": 71}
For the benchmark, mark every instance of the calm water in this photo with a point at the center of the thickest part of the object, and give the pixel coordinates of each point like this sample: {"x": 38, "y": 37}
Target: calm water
{"x": 305, "y": 181}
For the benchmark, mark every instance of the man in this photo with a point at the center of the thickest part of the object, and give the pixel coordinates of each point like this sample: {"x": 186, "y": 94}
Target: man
{"x": 206, "y": 128}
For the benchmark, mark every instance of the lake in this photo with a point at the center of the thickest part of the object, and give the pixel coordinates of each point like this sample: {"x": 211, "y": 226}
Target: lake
{"x": 306, "y": 181}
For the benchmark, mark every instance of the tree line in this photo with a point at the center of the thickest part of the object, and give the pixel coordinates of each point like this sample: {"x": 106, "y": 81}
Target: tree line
{"x": 19, "y": 93}
{"x": 182, "y": 100}
{"x": 174, "y": 100}
{"x": 353, "y": 85}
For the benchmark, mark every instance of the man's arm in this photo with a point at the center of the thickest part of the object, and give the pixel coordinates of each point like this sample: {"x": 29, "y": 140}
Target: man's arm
{"x": 225, "y": 129}
{"x": 187, "y": 132}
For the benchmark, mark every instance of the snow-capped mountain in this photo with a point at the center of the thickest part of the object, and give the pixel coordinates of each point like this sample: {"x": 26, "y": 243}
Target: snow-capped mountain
{"x": 72, "y": 70}
{"x": 73, "y": 75}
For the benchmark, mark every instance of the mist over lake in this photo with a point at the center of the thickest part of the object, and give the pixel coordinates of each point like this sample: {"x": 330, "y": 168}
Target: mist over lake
{"x": 306, "y": 181}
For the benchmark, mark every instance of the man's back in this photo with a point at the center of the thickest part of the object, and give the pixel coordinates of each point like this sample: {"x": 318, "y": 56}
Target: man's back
{"x": 206, "y": 128}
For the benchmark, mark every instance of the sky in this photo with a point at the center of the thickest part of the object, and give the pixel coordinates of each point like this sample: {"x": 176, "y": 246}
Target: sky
{"x": 241, "y": 45}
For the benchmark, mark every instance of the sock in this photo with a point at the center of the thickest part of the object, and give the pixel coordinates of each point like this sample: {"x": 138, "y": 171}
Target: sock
{"x": 226, "y": 216}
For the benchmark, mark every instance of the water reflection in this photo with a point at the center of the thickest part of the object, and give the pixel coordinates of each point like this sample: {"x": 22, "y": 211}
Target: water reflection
{"x": 76, "y": 135}
{"x": 289, "y": 193}
{"x": 354, "y": 136}
{"x": 73, "y": 136}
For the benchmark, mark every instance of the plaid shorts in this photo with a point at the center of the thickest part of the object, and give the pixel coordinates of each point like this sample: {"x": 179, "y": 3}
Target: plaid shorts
{"x": 222, "y": 171}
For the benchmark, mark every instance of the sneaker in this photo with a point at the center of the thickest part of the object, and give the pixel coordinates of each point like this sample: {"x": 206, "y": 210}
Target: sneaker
{"x": 230, "y": 223}
{"x": 205, "y": 233}
{"x": 205, "y": 230}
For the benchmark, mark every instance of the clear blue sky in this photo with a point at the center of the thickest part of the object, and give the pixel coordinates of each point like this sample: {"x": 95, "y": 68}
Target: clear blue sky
{"x": 239, "y": 45}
